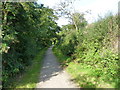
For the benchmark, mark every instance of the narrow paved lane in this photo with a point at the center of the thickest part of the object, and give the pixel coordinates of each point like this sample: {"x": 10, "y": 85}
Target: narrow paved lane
{"x": 52, "y": 75}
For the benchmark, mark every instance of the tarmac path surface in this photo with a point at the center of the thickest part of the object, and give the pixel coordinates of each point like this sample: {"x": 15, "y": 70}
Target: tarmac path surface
{"x": 52, "y": 75}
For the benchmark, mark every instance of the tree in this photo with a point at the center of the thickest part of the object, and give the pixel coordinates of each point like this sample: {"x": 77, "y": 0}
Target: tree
{"x": 27, "y": 28}
{"x": 66, "y": 9}
{"x": 78, "y": 20}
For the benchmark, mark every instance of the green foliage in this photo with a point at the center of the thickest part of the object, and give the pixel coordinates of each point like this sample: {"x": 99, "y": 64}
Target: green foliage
{"x": 28, "y": 80}
{"x": 78, "y": 20}
{"x": 93, "y": 51}
{"x": 68, "y": 42}
{"x": 27, "y": 28}
{"x": 63, "y": 59}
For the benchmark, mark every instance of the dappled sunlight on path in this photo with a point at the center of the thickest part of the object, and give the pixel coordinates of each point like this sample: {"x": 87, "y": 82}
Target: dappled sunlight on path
{"x": 52, "y": 75}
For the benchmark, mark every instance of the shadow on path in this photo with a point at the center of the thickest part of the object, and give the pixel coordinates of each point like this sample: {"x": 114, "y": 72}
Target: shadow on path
{"x": 52, "y": 75}
{"x": 50, "y": 66}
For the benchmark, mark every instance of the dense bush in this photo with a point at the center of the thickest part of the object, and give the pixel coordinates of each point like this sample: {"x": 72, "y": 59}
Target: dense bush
{"x": 68, "y": 42}
{"x": 96, "y": 48}
{"x": 27, "y": 28}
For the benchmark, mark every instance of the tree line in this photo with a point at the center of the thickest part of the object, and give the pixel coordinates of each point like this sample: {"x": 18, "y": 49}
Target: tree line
{"x": 26, "y": 29}
{"x": 89, "y": 51}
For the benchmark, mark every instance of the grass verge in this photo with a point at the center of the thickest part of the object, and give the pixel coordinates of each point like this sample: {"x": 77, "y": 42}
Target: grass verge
{"x": 88, "y": 77}
{"x": 84, "y": 75}
{"x": 30, "y": 78}
{"x": 60, "y": 57}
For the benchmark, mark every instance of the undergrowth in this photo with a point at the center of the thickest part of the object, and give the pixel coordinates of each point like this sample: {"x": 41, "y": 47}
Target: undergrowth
{"x": 30, "y": 77}
{"x": 92, "y": 53}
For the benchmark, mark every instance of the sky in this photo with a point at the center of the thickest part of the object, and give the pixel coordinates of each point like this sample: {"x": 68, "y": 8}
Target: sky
{"x": 97, "y": 7}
